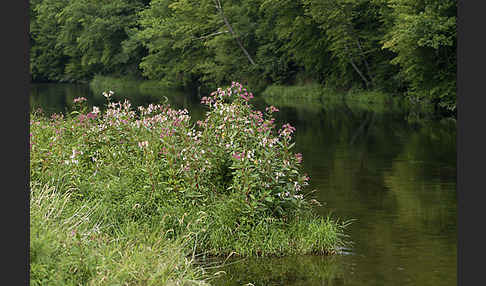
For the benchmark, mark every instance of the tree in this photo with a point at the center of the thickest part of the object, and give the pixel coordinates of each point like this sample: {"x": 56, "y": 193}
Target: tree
{"x": 196, "y": 41}
{"x": 423, "y": 36}
{"x": 352, "y": 28}
{"x": 47, "y": 59}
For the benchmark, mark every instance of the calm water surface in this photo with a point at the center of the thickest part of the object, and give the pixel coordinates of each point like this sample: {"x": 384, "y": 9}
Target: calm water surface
{"x": 394, "y": 174}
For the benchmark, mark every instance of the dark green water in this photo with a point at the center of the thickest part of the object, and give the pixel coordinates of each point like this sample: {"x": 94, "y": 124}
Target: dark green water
{"x": 393, "y": 173}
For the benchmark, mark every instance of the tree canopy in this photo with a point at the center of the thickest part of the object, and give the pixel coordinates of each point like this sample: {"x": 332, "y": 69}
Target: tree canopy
{"x": 399, "y": 46}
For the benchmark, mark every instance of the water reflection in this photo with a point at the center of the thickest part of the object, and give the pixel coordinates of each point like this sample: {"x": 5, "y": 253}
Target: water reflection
{"x": 294, "y": 270}
{"x": 57, "y": 98}
{"x": 396, "y": 177}
{"x": 383, "y": 165}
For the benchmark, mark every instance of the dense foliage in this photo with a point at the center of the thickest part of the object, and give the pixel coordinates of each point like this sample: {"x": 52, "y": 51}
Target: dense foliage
{"x": 399, "y": 46}
{"x": 150, "y": 178}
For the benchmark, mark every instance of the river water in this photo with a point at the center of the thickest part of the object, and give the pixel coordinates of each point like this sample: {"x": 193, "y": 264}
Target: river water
{"x": 389, "y": 170}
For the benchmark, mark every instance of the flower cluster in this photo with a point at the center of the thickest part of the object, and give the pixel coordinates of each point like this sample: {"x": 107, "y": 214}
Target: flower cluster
{"x": 79, "y": 99}
{"x": 271, "y": 109}
{"x": 235, "y": 148}
{"x": 257, "y": 151}
{"x": 143, "y": 144}
{"x": 286, "y": 130}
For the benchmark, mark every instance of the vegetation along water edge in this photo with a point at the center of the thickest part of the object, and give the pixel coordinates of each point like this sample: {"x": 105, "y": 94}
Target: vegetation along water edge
{"x": 129, "y": 195}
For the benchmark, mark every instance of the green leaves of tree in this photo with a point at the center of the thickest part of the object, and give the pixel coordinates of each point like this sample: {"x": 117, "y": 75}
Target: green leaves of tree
{"x": 423, "y": 36}
{"x": 395, "y": 45}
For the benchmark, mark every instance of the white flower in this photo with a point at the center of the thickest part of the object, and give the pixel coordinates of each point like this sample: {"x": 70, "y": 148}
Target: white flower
{"x": 108, "y": 94}
{"x": 143, "y": 144}
{"x": 96, "y": 110}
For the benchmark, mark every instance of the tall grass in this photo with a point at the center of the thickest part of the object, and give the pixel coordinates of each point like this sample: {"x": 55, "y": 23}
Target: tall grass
{"x": 70, "y": 245}
{"x": 320, "y": 96}
{"x": 307, "y": 91}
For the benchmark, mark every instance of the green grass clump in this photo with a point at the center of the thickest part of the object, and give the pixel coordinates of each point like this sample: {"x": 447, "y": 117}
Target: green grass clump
{"x": 307, "y": 91}
{"x": 315, "y": 91}
{"x": 320, "y": 96}
{"x": 71, "y": 244}
{"x": 130, "y": 196}
{"x": 226, "y": 232}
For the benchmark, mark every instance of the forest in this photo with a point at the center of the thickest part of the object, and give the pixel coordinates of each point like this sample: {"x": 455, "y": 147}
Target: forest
{"x": 406, "y": 48}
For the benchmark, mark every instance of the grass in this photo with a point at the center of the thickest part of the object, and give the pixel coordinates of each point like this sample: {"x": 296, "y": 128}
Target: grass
{"x": 307, "y": 91}
{"x": 315, "y": 91}
{"x": 314, "y": 97}
{"x": 224, "y": 233}
{"x": 81, "y": 242}
{"x": 70, "y": 245}
{"x": 107, "y": 209}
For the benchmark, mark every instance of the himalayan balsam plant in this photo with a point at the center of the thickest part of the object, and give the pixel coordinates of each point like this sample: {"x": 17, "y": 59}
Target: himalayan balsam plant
{"x": 159, "y": 155}
{"x": 263, "y": 168}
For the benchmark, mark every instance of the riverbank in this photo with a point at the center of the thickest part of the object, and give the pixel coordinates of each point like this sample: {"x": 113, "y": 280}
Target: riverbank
{"x": 275, "y": 94}
{"x": 230, "y": 185}
{"x": 319, "y": 95}
{"x": 316, "y": 91}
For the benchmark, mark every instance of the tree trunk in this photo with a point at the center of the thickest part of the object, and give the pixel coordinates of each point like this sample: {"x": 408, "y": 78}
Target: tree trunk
{"x": 359, "y": 72}
{"x": 365, "y": 61}
{"x": 235, "y": 36}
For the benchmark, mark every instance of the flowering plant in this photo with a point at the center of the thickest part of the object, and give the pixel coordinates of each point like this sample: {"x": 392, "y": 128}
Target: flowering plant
{"x": 235, "y": 150}
{"x": 263, "y": 168}
{"x": 231, "y": 178}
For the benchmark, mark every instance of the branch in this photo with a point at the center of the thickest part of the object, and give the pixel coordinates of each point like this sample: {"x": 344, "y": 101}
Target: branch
{"x": 359, "y": 72}
{"x": 365, "y": 61}
{"x": 350, "y": 59}
{"x": 228, "y": 25}
{"x": 210, "y": 35}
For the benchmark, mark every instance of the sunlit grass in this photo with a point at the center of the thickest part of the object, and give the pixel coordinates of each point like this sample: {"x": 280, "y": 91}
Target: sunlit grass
{"x": 70, "y": 245}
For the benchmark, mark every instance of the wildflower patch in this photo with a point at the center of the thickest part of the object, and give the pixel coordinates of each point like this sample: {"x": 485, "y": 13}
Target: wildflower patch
{"x": 231, "y": 177}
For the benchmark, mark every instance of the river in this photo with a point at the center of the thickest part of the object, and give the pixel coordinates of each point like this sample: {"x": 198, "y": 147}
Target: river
{"x": 389, "y": 170}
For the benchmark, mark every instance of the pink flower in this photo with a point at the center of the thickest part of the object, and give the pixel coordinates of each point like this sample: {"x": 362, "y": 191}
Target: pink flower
{"x": 246, "y": 96}
{"x": 298, "y": 156}
{"x": 79, "y": 99}
{"x": 289, "y": 127}
{"x": 286, "y": 130}
{"x": 271, "y": 109}
{"x": 81, "y": 117}
{"x": 238, "y": 155}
